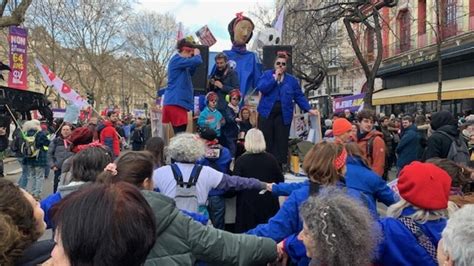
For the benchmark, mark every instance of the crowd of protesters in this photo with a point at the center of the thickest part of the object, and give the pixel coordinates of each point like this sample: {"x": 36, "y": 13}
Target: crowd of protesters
{"x": 331, "y": 219}
{"x": 157, "y": 204}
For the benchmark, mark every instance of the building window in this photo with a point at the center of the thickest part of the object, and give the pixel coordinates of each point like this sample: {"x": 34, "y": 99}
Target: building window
{"x": 448, "y": 18}
{"x": 332, "y": 81}
{"x": 422, "y": 17}
{"x": 333, "y": 54}
{"x": 404, "y": 26}
{"x": 471, "y": 8}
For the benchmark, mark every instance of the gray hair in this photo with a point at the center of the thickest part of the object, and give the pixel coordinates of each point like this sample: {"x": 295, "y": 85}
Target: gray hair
{"x": 32, "y": 124}
{"x": 343, "y": 230}
{"x": 186, "y": 148}
{"x": 254, "y": 141}
{"x": 420, "y": 215}
{"x": 458, "y": 236}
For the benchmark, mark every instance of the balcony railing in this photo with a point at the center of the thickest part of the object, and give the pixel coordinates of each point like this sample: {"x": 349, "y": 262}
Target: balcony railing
{"x": 417, "y": 41}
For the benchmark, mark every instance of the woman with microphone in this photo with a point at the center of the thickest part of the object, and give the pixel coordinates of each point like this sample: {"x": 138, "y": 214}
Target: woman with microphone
{"x": 279, "y": 93}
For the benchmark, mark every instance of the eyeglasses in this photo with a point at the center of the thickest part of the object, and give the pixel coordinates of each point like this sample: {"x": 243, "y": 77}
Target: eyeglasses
{"x": 280, "y": 63}
{"x": 234, "y": 98}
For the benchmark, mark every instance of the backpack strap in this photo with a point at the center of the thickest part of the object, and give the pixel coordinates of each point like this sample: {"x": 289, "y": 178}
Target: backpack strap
{"x": 421, "y": 237}
{"x": 445, "y": 134}
{"x": 370, "y": 148}
{"x": 178, "y": 176}
{"x": 194, "y": 175}
{"x": 457, "y": 141}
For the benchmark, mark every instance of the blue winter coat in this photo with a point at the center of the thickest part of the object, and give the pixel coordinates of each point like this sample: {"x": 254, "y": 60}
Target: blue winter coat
{"x": 399, "y": 245}
{"x": 409, "y": 149}
{"x": 287, "y": 224}
{"x": 358, "y": 177}
{"x": 180, "y": 87}
{"x": 288, "y": 92}
{"x": 211, "y": 119}
{"x": 230, "y": 129}
{"x": 362, "y": 178}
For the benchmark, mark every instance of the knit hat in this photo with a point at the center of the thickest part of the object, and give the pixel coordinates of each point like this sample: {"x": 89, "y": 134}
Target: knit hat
{"x": 81, "y": 136}
{"x": 341, "y": 126}
{"x": 425, "y": 186}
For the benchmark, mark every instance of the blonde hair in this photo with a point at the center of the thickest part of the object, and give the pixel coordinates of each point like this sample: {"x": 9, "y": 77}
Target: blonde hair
{"x": 420, "y": 215}
{"x": 254, "y": 141}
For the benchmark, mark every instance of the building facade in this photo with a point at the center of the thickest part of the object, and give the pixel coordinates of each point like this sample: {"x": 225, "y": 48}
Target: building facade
{"x": 415, "y": 30}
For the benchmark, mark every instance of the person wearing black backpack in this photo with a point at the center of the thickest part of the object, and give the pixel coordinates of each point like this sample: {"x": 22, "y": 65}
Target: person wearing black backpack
{"x": 446, "y": 133}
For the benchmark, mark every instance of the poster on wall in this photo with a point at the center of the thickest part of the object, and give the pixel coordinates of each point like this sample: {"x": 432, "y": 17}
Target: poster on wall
{"x": 18, "y": 41}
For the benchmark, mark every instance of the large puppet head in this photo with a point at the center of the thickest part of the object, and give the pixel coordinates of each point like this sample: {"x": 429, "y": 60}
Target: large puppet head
{"x": 240, "y": 29}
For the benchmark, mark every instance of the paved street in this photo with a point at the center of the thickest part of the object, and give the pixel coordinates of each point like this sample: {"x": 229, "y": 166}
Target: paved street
{"x": 13, "y": 171}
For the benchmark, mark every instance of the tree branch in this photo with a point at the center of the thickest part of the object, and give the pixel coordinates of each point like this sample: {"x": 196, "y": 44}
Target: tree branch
{"x": 17, "y": 16}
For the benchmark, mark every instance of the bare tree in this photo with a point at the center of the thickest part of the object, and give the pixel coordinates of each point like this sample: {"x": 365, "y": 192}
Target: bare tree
{"x": 363, "y": 14}
{"x": 151, "y": 41}
{"x": 93, "y": 32}
{"x": 46, "y": 41}
{"x": 12, "y": 13}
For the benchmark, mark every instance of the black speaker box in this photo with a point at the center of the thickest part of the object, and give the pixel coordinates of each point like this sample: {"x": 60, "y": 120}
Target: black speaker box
{"x": 270, "y": 53}
{"x": 200, "y": 75}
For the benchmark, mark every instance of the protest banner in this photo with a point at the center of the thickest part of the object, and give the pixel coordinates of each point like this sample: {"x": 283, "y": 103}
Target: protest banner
{"x": 18, "y": 75}
{"x": 64, "y": 90}
{"x": 354, "y": 103}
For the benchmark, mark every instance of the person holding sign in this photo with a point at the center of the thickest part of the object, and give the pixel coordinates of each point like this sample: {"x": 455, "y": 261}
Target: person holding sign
{"x": 279, "y": 91}
{"x": 178, "y": 98}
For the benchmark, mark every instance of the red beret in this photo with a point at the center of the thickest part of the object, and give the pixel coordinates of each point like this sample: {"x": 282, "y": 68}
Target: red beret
{"x": 425, "y": 186}
{"x": 341, "y": 126}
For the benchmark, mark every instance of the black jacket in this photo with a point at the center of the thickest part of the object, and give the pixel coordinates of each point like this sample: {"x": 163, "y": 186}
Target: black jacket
{"x": 438, "y": 144}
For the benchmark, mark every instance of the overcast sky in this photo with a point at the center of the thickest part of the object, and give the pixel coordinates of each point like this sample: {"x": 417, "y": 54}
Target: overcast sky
{"x": 215, "y": 13}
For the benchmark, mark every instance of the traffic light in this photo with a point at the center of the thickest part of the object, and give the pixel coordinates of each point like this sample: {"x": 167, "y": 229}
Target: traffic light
{"x": 90, "y": 98}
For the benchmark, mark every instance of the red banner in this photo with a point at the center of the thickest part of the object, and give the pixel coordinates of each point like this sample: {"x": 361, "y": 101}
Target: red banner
{"x": 18, "y": 76}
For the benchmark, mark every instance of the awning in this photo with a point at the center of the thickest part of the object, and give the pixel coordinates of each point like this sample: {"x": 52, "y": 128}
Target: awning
{"x": 462, "y": 88}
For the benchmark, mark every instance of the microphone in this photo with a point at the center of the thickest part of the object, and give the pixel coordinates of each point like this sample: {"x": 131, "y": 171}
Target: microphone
{"x": 279, "y": 75}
